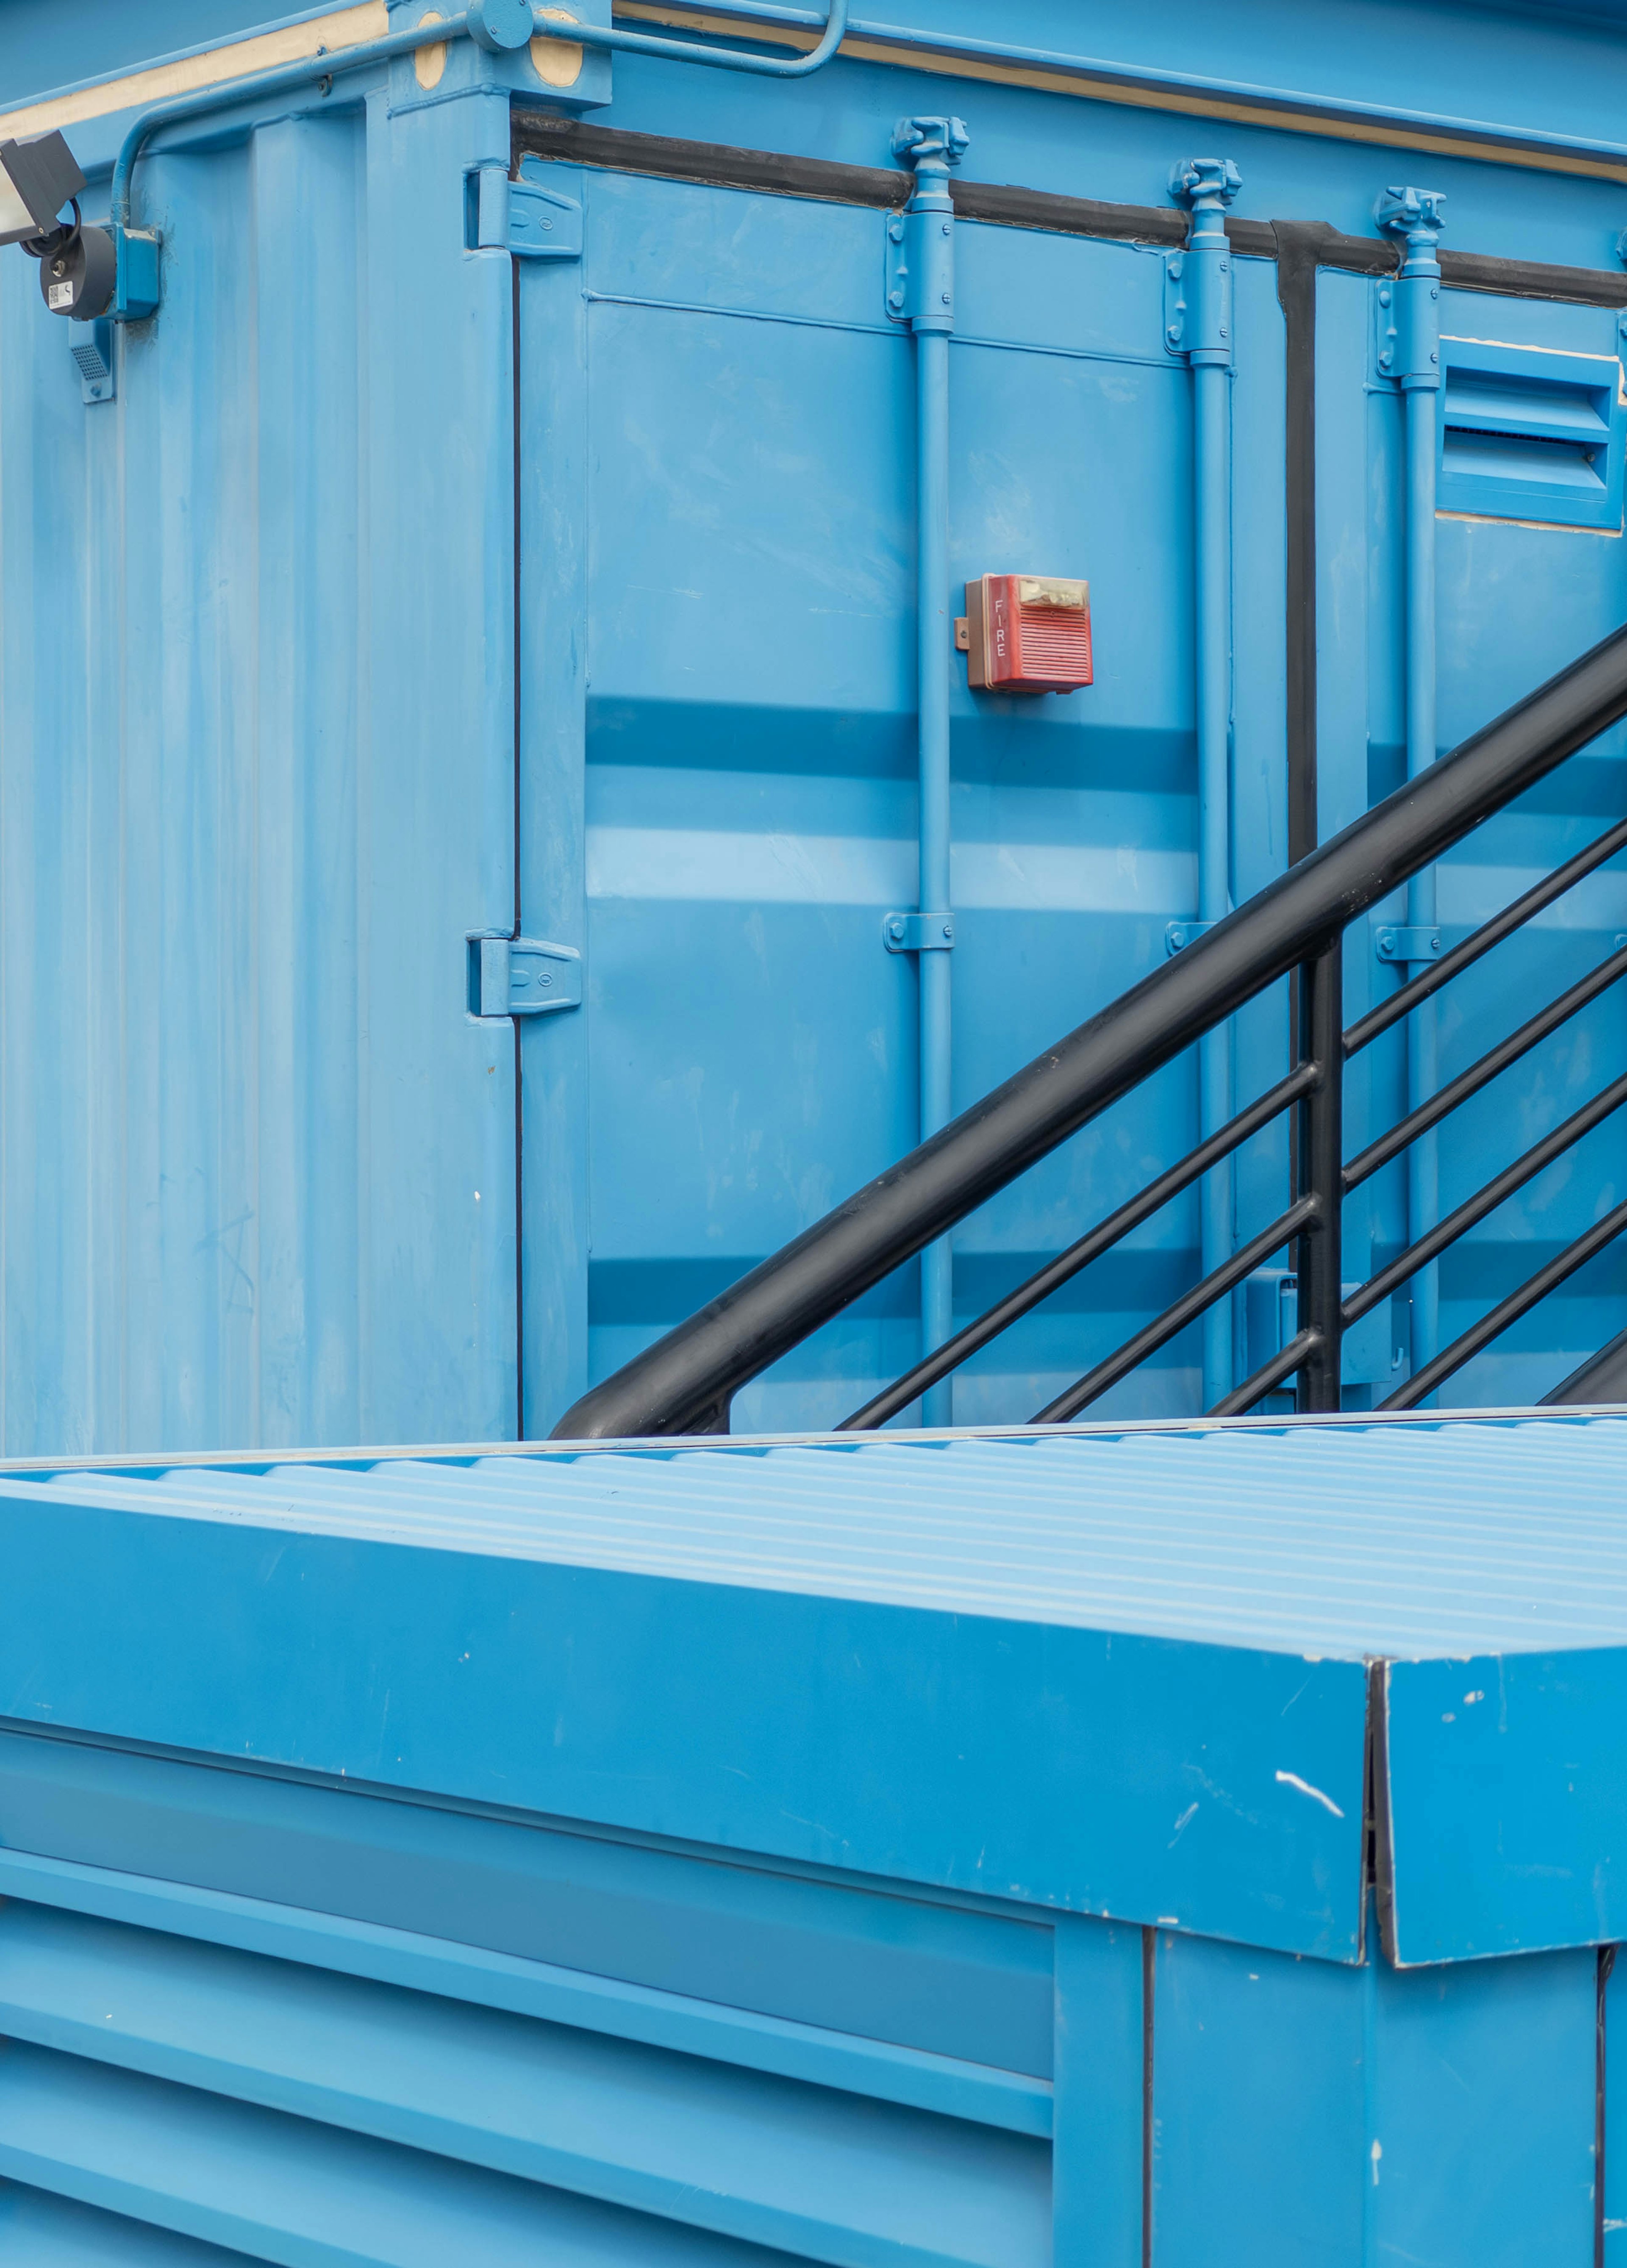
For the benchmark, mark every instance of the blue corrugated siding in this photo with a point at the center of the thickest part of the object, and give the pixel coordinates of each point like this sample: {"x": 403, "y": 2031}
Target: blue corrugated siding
{"x": 257, "y": 1175}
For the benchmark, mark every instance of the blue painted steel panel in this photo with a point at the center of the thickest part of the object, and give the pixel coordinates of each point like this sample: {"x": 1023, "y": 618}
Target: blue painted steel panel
{"x": 1510, "y": 1770}
{"x": 927, "y": 1699}
{"x": 1472, "y": 2087}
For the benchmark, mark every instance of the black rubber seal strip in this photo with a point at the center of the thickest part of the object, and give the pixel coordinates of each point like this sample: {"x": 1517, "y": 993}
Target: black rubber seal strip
{"x": 1531, "y": 279}
{"x": 1017, "y": 208}
{"x": 1301, "y": 246}
{"x": 537, "y": 134}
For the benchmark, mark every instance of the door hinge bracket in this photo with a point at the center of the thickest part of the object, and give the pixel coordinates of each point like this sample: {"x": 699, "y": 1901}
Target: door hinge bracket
{"x": 519, "y": 217}
{"x": 918, "y": 932}
{"x": 522, "y": 976}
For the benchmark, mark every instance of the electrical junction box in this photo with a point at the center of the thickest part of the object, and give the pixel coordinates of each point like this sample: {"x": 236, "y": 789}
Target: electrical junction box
{"x": 1025, "y": 634}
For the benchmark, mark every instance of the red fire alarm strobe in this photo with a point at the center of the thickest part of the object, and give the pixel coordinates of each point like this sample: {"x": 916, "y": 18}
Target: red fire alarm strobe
{"x": 1025, "y": 634}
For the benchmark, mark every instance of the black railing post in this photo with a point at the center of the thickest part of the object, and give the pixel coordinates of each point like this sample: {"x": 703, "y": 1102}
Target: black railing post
{"x": 1320, "y": 1162}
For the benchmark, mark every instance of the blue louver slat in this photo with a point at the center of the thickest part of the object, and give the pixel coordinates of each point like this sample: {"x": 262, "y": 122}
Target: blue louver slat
{"x": 43, "y": 2231}
{"x": 826, "y": 2175}
{"x": 305, "y": 2196}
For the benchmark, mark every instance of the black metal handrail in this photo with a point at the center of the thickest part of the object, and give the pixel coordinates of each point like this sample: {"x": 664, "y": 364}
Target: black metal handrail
{"x": 684, "y": 1384}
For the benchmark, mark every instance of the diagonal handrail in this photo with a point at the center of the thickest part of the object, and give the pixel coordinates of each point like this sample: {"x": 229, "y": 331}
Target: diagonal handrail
{"x": 684, "y": 1382}
{"x": 1065, "y": 1265}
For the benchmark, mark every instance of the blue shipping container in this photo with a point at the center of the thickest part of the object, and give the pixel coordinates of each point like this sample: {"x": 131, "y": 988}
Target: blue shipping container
{"x": 396, "y": 594}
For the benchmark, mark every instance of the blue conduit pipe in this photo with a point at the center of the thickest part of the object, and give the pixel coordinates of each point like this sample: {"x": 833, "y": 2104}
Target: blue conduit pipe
{"x": 308, "y": 70}
{"x": 501, "y": 26}
{"x": 686, "y": 51}
{"x": 1414, "y": 214}
{"x": 1208, "y": 184}
{"x": 1254, "y": 99}
{"x": 931, "y": 147}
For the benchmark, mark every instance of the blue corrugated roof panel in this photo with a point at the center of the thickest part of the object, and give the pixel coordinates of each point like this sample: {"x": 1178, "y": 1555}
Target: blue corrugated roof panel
{"x": 1352, "y": 1540}
{"x": 1123, "y": 1672}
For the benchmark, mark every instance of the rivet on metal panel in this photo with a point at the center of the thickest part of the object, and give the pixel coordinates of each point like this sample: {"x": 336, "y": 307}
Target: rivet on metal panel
{"x": 1175, "y": 303}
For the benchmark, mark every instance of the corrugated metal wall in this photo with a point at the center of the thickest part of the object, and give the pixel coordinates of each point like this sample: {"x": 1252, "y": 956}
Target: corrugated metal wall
{"x": 257, "y": 1177}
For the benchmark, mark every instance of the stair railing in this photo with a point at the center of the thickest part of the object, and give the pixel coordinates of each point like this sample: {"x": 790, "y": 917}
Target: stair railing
{"x": 684, "y": 1382}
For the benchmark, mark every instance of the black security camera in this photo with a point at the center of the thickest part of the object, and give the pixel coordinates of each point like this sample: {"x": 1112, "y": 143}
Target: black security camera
{"x": 78, "y": 265}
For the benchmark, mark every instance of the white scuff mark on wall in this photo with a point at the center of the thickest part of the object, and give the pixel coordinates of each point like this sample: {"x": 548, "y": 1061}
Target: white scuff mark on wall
{"x": 1292, "y": 1779}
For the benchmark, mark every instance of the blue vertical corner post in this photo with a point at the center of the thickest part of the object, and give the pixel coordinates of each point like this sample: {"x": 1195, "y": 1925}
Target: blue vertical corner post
{"x": 1203, "y": 331}
{"x": 439, "y": 1279}
{"x": 1411, "y": 354}
{"x": 552, "y": 605}
{"x": 920, "y": 292}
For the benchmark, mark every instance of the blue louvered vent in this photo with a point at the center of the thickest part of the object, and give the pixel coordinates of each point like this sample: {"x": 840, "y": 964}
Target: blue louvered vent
{"x": 1531, "y": 435}
{"x": 308, "y": 2082}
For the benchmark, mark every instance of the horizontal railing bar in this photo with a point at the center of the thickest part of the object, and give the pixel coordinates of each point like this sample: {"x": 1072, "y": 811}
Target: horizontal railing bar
{"x": 1056, "y": 1272}
{"x": 694, "y": 1369}
{"x": 1525, "y": 1168}
{"x": 1509, "y": 1310}
{"x": 1446, "y": 1099}
{"x": 1305, "y": 1213}
{"x": 1513, "y": 917}
{"x": 1288, "y": 1358}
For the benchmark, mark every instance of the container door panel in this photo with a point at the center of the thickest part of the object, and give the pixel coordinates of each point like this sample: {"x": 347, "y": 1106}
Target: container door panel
{"x": 718, "y": 469}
